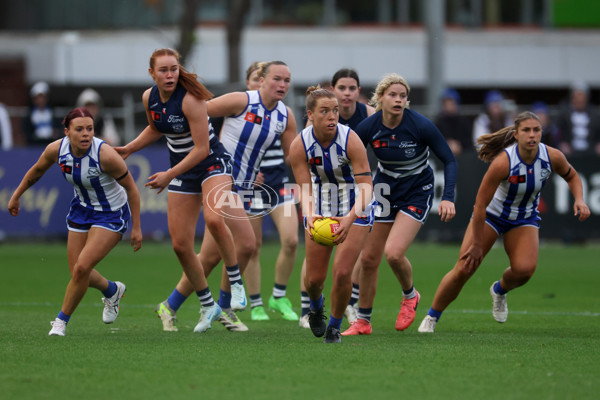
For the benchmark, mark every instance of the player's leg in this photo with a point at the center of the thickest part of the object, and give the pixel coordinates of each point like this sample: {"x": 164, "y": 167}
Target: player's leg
{"x": 370, "y": 259}
{"x": 522, "y": 247}
{"x": 345, "y": 257}
{"x": 252, "y": 275}
{"x": 403, "y": 232}
{"x": 98, "y": 243}
{"x": 453, "y": 282}
{"x": 317, "y": 265}
{"x": 285, "y": 218}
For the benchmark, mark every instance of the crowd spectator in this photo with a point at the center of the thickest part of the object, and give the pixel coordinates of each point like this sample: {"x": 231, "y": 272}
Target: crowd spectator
{"x": 6, "y": 139}
{"x": 455, "y": 127}
{"x": 40, "y": 126}
{"x": 104, "y": 124}
{"x": 550, "y": 135}
{"x": 579, "y": 123}
{"x": 493, "y": 118}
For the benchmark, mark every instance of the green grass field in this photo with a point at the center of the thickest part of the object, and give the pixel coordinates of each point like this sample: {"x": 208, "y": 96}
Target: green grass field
{"x": 548, "y": 348}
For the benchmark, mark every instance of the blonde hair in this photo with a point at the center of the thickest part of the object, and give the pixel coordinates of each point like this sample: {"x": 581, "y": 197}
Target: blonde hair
{"x": 187, "y": 79}
{"x": 492, "y": 144}
{"x": 383, "y": 85}
{"x": 314, "y": 93}
{"x": 256, "y": 65}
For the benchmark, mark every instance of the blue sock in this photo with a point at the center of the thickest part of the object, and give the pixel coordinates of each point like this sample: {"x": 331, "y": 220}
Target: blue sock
{"x": 316, "y": 305}
{"x": 225, "y": 299}
{"x": 435, "y": 314}
{"x": 335, "y": 322}
{"x": 63, "y": 316}
{"x": 111, "y": 290}
{"x": 175, "y": 300}
{"x": 498, "y": 289}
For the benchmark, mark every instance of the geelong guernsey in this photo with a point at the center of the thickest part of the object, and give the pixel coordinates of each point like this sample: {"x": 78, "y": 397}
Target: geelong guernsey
{"x": 94, "y": 189}
{"x": 247, "y": 136}
{"x": 517, "y": 198}
{"x": 168, "y": 118}
{"x": 331, "y": 173}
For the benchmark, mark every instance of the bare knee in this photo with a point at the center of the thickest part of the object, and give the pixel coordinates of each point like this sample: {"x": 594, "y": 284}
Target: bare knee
{"x": 289, "y": 245}
{"x": 394, "y": 256}
{"x": 81, "y": 272}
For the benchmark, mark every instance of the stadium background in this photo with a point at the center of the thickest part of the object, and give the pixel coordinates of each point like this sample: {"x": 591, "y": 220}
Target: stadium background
{"x": 530, "y": 50}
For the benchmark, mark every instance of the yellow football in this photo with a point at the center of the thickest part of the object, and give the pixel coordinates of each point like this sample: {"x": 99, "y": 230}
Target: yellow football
{"x": 324, "y": 231}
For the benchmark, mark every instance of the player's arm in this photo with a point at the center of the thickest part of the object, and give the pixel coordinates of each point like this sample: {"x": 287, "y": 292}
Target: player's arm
{"x": 496, "y": 173}
{"x": 35, "y": 173}
{"x": 112, "y": 164}
{"x": 288, "y": 136}
{"x": 435, "y": 140}
{"x": 227, "y": 105}
{"x": 148, "y": 136}
{"x": 568, "y": 173}
{"x": 299, "y": 166}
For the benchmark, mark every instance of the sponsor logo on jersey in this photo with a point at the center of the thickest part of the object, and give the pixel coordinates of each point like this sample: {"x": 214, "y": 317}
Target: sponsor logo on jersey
{"x": 409, "y": 153}
{"x": 175, "y": 119}
{"x": 516, "y": 179}
{"x": 316, "y": 161}
{"x": 379, "y": 143}
{"x": 67, "y": 169}
{"x": 251, "y": 117}
{"x": 155, "y": 116}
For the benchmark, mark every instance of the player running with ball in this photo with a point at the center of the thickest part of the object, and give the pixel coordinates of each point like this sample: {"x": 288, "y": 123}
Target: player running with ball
{"x": 330, "y": 165}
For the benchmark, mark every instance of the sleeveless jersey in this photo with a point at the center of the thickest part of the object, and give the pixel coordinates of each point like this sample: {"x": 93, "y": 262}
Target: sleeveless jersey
{"x": 273, "y": 165}
{"x": 247, "y": 135}
{"x": 360, "y": 113}
{"x": 169, "y": 120}
{"x": 517, "y": 198}
{"x": 94, "y": 189}
{"x": 403, "y": 152}
{"x": 331, "y": 173}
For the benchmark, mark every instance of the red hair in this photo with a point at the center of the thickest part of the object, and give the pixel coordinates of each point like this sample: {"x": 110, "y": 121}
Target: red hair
{"x": 78, "y": 112}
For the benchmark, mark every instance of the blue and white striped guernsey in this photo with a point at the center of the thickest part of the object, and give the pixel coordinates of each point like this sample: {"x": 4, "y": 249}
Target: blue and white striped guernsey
{"x": 334, "y": 187}
{"x": 94, "y": 189}
{"x": 247, "y": 135}
{"x": 517, "y": 197}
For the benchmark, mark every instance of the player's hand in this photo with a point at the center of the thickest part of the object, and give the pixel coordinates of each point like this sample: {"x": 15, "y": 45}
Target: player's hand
{"x": 13, "y": 207}
{"x": 260, "y": 179}
{"x": 310, "y": 224}
{"x": 123, "y": 152}
{"x": 446, "y": 210}
{"x": 472, "y": 258}
{"x": 159, "y": 180}
{"x": 581, "y": 210}
{"x": 136, "y": 239}
{"x": 345, "y": 223}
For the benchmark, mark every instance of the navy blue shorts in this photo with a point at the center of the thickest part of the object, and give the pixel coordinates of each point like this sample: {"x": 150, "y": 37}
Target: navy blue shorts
{"x": 416, "y": 206}
{"x": 193, "y": 185}
{"x": 266, "y": 198}
{"x": 82, "y": 219}
{"x": 501, "y": 225}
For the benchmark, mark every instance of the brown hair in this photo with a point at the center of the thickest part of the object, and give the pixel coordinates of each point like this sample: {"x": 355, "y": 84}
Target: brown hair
{"x": 78, "y": 112}
{"x": 493, "y": 143}
{"x": 314, "y": 93}
{"x": 187, "y": 79}
{"x": 264, "y": 68}
{"x": 345, "y": 73}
